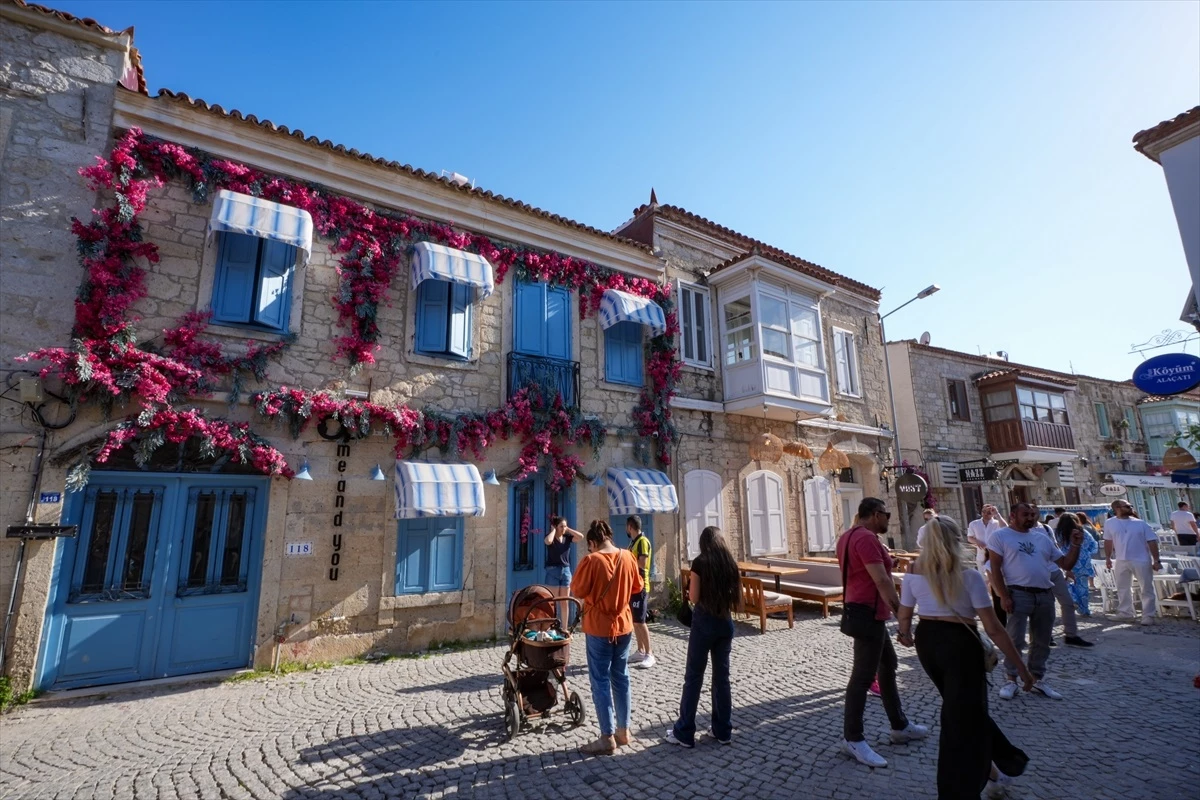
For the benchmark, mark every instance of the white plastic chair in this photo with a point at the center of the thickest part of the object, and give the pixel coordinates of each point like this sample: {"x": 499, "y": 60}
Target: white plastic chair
{"x": 1165, "y": 587}
{"x": 1168, "y": 537}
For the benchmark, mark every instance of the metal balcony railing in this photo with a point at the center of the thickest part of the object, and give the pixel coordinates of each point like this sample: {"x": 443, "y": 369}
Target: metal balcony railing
{"x": 554, "y": 375}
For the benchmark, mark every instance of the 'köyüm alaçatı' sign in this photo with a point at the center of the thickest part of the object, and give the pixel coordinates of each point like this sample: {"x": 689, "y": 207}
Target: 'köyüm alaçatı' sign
{"x": 1168, "y": 374}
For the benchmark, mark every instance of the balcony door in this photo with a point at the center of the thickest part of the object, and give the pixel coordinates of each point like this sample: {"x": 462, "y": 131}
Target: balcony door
{"x": 542, "y": 340}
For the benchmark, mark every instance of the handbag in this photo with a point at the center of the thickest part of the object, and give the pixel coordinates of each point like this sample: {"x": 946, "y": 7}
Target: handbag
{"x": 858, "y": 619}
{"x": 991, "y": 653}
{"x": 684, "y": 615}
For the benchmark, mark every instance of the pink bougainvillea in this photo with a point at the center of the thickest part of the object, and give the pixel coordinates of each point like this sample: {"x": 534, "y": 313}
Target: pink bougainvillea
{"x": 105, "y": 364}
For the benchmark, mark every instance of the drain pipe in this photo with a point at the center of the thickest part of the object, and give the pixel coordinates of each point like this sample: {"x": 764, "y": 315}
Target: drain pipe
{"x": 12, "y": 595}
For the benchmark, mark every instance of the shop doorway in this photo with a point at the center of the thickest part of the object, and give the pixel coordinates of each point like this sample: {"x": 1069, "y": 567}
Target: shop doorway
{"x": 162, "y": 580}
{"x": 531, "y": 504}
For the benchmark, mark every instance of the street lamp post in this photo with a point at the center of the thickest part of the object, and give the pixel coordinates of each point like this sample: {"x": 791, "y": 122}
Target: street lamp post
{"x": 887, "y": 367}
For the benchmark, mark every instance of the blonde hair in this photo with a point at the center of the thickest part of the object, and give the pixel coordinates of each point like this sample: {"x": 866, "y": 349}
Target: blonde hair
{"x": 941, "y": 560}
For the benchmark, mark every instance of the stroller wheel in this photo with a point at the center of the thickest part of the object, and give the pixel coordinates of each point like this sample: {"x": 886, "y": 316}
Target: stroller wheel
{"x": 574, "y": 709}
{"x": 512, "y": 718}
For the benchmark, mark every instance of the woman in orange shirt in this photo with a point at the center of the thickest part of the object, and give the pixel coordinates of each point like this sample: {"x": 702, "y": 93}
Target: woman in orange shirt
{"x": 607, "y": 577}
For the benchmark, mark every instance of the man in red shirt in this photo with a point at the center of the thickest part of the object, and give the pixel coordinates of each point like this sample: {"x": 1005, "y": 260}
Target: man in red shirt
{"x": 869, "y": 601}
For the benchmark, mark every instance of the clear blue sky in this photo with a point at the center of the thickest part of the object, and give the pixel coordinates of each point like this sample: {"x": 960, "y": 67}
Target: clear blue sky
{"x": 984, "y": 147}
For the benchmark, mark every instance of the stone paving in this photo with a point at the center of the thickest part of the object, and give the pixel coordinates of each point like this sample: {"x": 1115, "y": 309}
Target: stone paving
{"x": 432, "y": 727}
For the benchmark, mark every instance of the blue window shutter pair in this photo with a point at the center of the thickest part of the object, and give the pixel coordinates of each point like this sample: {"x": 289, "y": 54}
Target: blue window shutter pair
{"x": 253, "y": 284}
{"x": 429, "y": 555}
{"x": 443, "y": 325}
{"x": 542, "y": 316}
{"x": 623, "y": 353}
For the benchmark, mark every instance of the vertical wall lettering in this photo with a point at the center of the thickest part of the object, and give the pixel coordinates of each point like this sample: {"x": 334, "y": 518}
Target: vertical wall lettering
{"x": 339, "y": 503}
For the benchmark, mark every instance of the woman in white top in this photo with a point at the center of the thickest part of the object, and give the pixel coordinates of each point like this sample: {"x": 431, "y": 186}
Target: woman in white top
{"x": 948, "y": 596}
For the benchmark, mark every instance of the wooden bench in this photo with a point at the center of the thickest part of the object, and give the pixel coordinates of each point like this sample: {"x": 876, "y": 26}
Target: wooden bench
{"x": 756, "y": 600}
{"x": 822, "y": 583}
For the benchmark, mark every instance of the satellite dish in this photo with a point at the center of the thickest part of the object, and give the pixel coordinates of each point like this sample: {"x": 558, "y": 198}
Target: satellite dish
{"x": 925, "y": 338}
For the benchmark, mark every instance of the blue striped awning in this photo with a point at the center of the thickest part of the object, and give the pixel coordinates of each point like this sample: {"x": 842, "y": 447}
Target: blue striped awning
{"x": 241, "y": 213}
{"x": 640, "y": 491}
{"x": 456, "y": 266}
{"x": 438, "y": 490}
{"x": 617, "y": 306}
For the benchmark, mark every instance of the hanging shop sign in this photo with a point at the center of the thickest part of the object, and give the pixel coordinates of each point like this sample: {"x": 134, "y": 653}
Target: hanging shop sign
{"x": 1168, "y": 374}
{"x": 1112, "y": 489}
{"x": 911, "y": 487}
{"x": 978, "y": 474}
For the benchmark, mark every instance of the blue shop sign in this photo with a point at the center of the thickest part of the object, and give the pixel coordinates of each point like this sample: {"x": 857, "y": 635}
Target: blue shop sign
{"x": 1168, "y": 374}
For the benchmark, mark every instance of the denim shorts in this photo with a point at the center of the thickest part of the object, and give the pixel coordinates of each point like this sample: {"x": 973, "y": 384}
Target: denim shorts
{"x": 640, "y": 607}
{"x": 558, "y": 576}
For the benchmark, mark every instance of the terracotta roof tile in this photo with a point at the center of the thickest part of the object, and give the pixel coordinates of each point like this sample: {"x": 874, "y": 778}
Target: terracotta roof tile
{"x": 682, "y": 215}
{"x": 134, "y": 79}
{"x": 212, "y": 108}
{"x": 1150, "y": 136}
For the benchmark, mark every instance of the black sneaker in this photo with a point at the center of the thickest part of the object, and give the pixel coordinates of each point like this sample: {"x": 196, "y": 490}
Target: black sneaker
{"x": 1078, "y": 641}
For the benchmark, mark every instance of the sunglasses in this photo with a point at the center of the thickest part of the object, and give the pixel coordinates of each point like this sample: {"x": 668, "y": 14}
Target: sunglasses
{"x": 887, "y": 514}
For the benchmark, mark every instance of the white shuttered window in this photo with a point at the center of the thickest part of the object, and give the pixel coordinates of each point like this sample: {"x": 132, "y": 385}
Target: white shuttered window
{"x": 764, "y": 504}
{"x": 845, "y": 357}
{"x": 818, "y": 509}
{"x": 702, "y": 504}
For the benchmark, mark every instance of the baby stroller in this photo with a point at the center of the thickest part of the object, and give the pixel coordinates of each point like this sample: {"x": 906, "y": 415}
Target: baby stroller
{"x": 535, "y": 667}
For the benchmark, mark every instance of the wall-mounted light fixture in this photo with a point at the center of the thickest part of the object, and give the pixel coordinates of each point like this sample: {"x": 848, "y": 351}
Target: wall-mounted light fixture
{"x": 304, "y": 474}
{"x": 490, "y": 478}
{"x": 377, "y": 474}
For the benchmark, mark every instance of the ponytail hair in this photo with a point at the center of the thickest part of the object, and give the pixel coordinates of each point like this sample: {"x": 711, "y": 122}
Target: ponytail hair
{"x": 941, "y": 560}
{"x": 599, "y": 532}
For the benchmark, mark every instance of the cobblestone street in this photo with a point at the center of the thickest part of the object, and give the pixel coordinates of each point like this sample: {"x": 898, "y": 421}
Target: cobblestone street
{"x": 432, "y": 727}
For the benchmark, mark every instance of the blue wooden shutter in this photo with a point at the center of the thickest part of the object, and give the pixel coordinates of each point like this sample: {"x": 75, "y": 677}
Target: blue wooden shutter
{"x": 460, "y": 319}
{"x": 529, "y": 318}
{"x": 412, "y": 556}
{"x": 235, "y": 283}
{"x": 623, "y": 353}
{"x": 275, "y": 285}
{"x": 433, "y": 300}
{"x": 557, "y": 321}
{"x": 445, "y": 554}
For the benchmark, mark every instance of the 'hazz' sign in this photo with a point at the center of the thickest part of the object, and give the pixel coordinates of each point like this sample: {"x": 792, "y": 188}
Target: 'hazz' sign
{"x": 977, "y": 474}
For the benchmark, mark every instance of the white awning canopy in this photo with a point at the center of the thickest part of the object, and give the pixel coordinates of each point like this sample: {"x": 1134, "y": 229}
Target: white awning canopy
{"x": 640, "y": 491}
{"x": 240, "y": 213}
{"x": 456, "y": 266}
{"x": 617, "y": 306}
{"x": 438, "y": 490}
{"x": 1144, "y": 481}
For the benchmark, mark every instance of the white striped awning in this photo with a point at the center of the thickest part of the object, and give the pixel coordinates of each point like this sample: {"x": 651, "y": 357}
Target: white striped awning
{"x": 640, "y": 491}
{"x": 617, "y": 306}
{"x": 241, "y": 213}
{"x": 438, "y": 490}
{"x": 456, "y": 266}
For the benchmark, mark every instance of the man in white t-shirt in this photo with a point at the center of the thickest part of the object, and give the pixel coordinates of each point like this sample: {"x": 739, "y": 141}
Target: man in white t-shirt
{"x": 1183, "y": 522}
{"x": 979, "y": 531}
{"x": 1021, "y": 558}
{"x": 1132, "y": 544}
{"x": 929, "y": 514}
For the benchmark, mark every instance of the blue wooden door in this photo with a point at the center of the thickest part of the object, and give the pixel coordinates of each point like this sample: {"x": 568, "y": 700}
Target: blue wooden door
{"x": 531, "y": 504}
{"x": 162, "y": 580}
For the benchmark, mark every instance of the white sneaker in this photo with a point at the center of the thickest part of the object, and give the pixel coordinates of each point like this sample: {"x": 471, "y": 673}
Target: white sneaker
{"x": 720, "y": 741}
{"x": 910, "y": 733}
{"x": 1147, "y": 620}
{"x": 637, "y": 657}
{"x": 1044, "y": 688}
{"x": 862, "y": 752}
{"x": 670, "y": 737}
{"x": 647, "y": 662}
{"x": 1008, "y": 691}
{"x": 998, "y": 787}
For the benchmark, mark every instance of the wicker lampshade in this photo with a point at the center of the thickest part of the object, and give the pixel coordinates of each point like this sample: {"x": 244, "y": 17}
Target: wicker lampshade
{"x": 1177, "y": 458}
{"x": 797, "y": 449}
{"x": 766, "y": 446}
{"x": 833, "y": 459}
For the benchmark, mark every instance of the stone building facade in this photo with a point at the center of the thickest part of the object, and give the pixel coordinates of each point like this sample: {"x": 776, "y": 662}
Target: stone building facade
{"x": 1091, "y": 434}
{"x": 189, "y": 564}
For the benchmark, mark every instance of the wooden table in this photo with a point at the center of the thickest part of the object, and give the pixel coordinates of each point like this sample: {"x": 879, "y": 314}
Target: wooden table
{"x": 745, "y": 567}
{"x": 904, "y": 560}
{"x": 821, "y": 559}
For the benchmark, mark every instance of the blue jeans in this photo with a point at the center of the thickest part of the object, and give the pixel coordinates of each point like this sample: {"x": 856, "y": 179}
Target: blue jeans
{"x": 608, "y": 671}
{"x": 709, "y": 635}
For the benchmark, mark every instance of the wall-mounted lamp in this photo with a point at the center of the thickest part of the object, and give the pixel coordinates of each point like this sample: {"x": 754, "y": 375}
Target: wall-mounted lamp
{"x": 377, "y": 474}
{"x": 490, "y": 478}
{"x": 599, "y": 479}
{"x": 304, "y": 474}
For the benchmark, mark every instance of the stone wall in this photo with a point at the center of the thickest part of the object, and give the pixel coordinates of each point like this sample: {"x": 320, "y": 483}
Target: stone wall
{"x": 56, "y": 100}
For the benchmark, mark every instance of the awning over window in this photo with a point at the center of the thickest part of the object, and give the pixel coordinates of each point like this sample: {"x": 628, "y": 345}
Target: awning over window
{"x": 1143, "y": 481}
{"x": 438, "y": 490}
{"x": 617, "y": 306}
{"x": 640, "y": 491}
{"x": 241, "y": 213}
{"x": 456, "y": 266}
